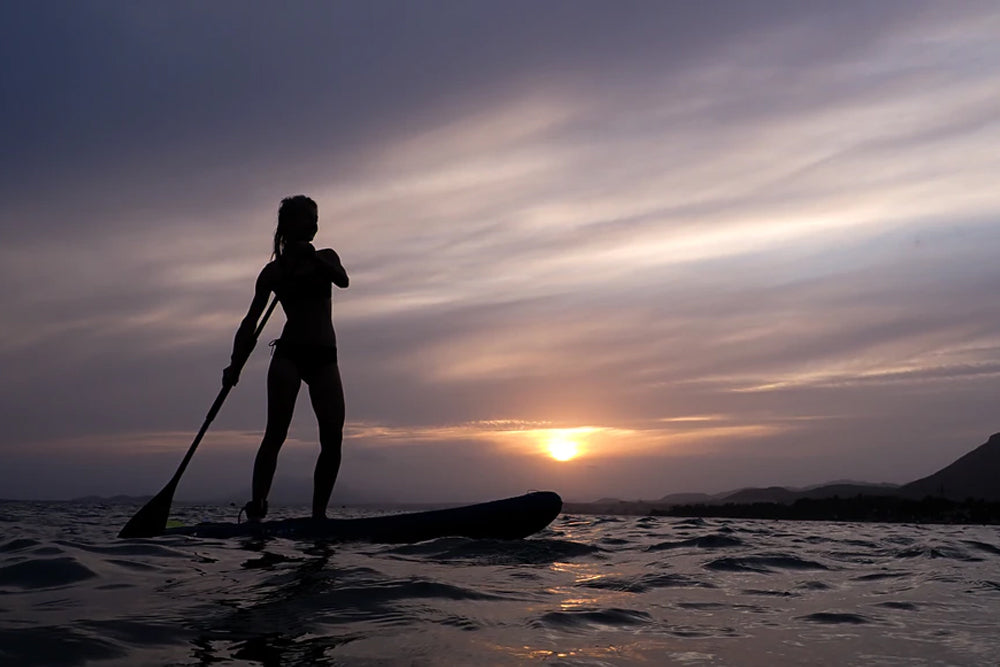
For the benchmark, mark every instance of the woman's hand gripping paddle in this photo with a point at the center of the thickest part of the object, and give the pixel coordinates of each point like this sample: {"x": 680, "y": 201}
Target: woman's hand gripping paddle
{"x": 151, "y": 520}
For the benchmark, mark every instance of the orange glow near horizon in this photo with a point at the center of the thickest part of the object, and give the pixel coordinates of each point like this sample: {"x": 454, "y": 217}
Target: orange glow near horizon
{"x": 697, "y": 435}
{"x": 562, "y": 448}
{"x": 562, "y": 444}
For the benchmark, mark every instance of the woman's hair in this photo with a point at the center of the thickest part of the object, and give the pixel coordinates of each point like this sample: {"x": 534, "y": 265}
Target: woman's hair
{"x": 298, "y": 219}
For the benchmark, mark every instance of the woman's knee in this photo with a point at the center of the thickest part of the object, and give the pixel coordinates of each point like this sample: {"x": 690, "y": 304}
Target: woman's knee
{"x": 274, "y": 437}
{"x": 331, "y": 437}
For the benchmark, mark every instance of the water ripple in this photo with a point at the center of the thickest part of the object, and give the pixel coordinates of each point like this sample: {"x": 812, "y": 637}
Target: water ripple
{"x": 983, "y": 546}
{"x": 19, "y": 544}
{"x": 590, "y": 620}
{"x": 764, "y": 563}
{"x": 646, "y": 582}
{"x": 496, "y": 552}
{"x": 46, "y": 573}
{"x": 713, "y": 541}
{"x": 837, "y": 618}
{"x": 55, "y": 646}
{"x": 592, "y": 590}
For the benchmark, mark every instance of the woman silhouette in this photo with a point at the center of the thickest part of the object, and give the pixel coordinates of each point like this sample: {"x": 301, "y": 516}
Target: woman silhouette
{"x": 300, "y": 276}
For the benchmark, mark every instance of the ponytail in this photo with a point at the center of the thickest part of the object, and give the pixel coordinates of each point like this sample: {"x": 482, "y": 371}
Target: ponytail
{"x": 297, "y": 221}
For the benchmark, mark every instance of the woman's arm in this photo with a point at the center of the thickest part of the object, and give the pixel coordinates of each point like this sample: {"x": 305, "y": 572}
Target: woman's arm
{"x": 327, "y": 260}
{"x": 244, "y": 343}
{"x": 330, "y": 261}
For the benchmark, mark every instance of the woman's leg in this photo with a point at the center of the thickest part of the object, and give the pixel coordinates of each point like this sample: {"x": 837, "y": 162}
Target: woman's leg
{"x": 327, "y": 395}
{"x": 283, "y": 383}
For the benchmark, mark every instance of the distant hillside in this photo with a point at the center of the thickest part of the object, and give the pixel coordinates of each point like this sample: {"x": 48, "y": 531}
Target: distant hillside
{"x": 682, "y": 498}
{"x": 851, "y": 482}
{"x": 770, "y": 494}
{"x": 780, "y": 494}
{"x": 103, "y": 500}
{"x": 882, "y": 509}
{"x": 975, "y": 475}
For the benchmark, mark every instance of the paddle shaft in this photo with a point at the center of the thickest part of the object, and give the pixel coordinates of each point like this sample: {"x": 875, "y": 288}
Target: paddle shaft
{"x": 152, "y": 518}
{"x": 220, "y": 399}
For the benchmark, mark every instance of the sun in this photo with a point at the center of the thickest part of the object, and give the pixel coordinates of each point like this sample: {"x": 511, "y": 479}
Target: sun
{"x": 562, "y": 448}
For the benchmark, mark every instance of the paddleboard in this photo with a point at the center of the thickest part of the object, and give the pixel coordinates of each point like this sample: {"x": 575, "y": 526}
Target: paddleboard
{"x": 507, "y": 519}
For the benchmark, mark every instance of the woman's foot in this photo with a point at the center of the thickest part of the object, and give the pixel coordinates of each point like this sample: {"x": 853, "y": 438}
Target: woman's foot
{"x": 255, "y": 510}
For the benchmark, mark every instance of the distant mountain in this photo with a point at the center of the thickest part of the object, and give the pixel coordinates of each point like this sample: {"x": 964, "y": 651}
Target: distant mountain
{"x": 780, "y": 494}
{"x": 685, "y": 498}
{"x": 851, "y": 482}
{"x": 770, "y": 494}
{"x": 92, "y": 499}
{"x": 849, "y": 489}
{"x": 975, "y": 475}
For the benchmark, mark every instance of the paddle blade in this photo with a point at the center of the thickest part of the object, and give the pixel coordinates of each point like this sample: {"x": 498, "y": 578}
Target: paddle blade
{"x": 151, "y": 520}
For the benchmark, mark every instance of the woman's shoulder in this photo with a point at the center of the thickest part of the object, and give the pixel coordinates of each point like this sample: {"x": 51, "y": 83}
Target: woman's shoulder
{"x": 328, "y": 255}
{"x": 269, "y": 273}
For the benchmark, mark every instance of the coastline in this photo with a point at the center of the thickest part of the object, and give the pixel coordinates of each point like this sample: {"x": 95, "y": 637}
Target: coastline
{"x": 860, "y": 508}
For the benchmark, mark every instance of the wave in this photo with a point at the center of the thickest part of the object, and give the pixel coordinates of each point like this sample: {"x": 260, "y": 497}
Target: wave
{"x": 590, "y": 620}
{"x": 704, "y": 542}
{"x": 55, "y": 646}
{"x": 410, "y": 589}
{"x": 878, "y": 576}
{"x": 647, "y": 582}
{"x": 19, "y": 544}
{"x": 983, "y": 547}
{"x": 764, "y": 563}
{"x": 626, "y": 591}
{"x": 837, "y": 618}
{"x": 496, "y": 552}
{"x": 144, "y": 549}
{"x": 945, "y": 552}
{"x": 893, "y": 604}
{"x": 45, "y": 573}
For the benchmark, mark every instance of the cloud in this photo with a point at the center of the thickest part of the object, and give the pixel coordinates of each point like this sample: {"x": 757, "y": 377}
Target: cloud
{"x": 579, "y": 216}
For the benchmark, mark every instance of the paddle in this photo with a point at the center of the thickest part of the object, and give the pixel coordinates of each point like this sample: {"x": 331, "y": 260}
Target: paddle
{"x": 151, "y": 520}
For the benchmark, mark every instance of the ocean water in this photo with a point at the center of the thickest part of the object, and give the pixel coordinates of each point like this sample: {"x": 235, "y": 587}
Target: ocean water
{"x": 589, "y": 590}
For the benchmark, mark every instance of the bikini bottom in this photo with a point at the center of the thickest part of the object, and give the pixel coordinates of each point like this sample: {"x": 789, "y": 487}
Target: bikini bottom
{"x": 308, "y": 358}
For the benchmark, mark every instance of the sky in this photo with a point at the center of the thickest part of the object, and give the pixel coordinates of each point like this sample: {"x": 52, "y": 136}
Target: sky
{"x": 691, "y": 246}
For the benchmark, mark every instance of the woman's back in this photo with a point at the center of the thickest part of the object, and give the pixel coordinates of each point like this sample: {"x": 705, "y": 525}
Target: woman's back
{"x": 304, "y": 288}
